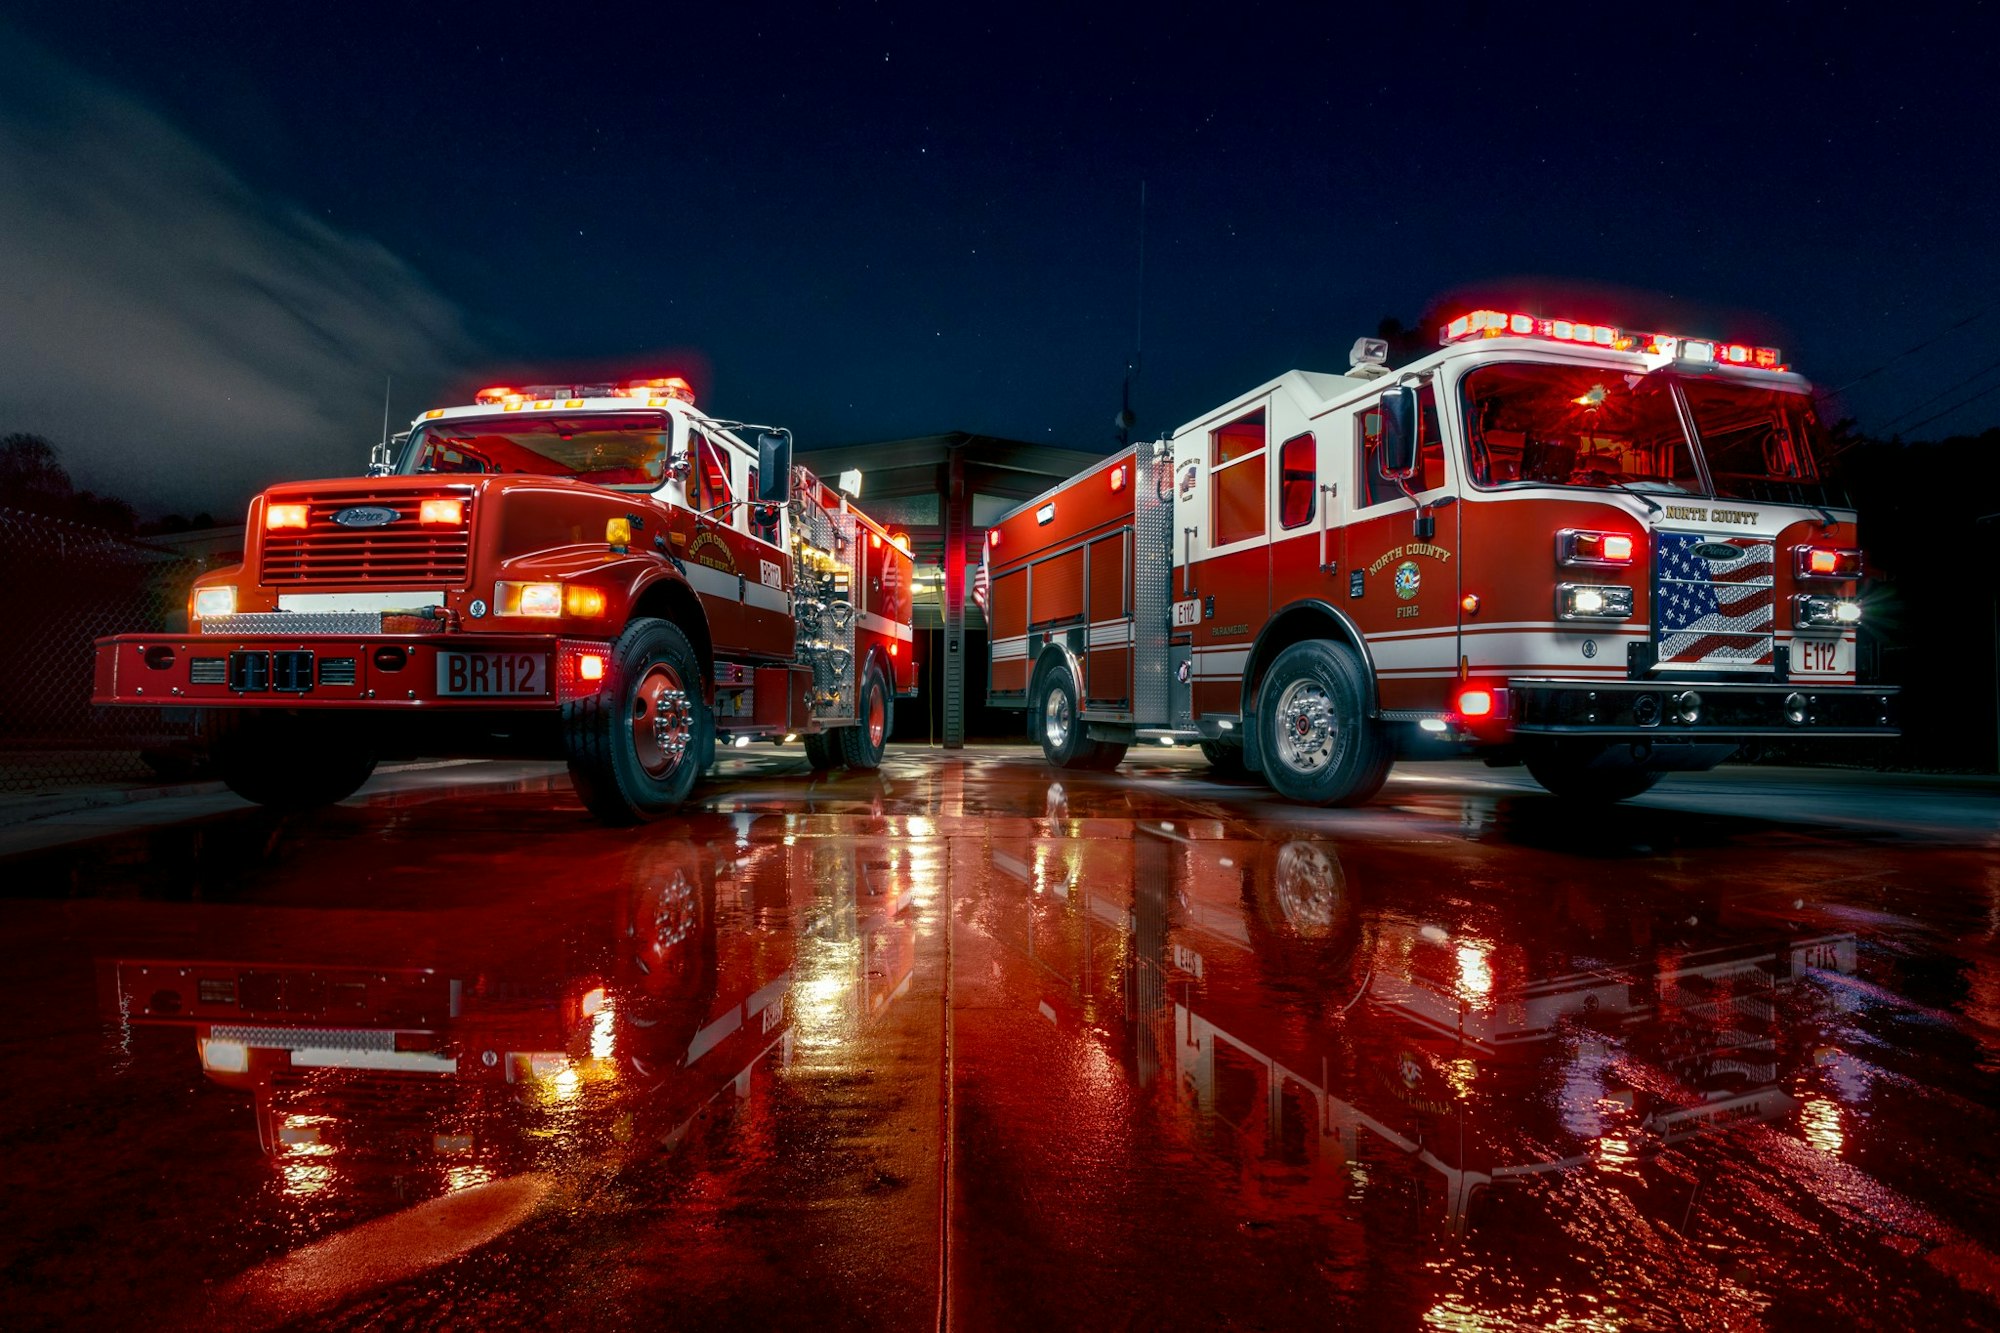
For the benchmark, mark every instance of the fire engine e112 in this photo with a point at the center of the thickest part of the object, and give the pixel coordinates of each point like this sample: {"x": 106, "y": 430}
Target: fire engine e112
{"x": 599, "y": 571}
{"x": 1609, "y": 555}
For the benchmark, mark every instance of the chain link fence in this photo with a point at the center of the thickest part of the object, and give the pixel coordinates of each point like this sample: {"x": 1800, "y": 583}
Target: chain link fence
{"x": 71, "y": 584}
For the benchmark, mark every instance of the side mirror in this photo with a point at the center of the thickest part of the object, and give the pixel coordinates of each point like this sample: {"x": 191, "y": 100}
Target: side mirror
{"x": 774, "y": 467}
{"x": 1396, "y": 459}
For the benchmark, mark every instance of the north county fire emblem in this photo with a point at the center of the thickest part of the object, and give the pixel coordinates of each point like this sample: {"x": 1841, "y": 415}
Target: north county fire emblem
{"x": 1408, "y": 579}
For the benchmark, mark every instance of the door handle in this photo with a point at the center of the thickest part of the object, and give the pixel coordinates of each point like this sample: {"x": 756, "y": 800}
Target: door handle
{"x": 1327, "y": 490}
{"x": 1187, "y": 559}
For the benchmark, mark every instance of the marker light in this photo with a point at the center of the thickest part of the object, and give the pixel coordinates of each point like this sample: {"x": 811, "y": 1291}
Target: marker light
{"x": 434, "y": 414}
{"x": 895, "y": 650}
{"x": 1584, "y": 601}
{"x": 212, "y": 602}
{"x": 441, "y": 511}
{"x": 1434, "y": 725}
{"x": 901, "y": 541}
{"x": 1469, "y": 604}
{"x": 527, "y": 599}
{"x": 1118, "y": 479}
{"x": 590, "y": 666}
{"x": 1826, "y": 562}
{"x": 874, "y": 541}
{"x": 579, "y": 601}
{"x": 1475, "y": 701}
{"x": 284, "y": 516}
{"x": 1577, "y": 547}
{"x": 618, "y": 532}
{"x": 993, "y": 537}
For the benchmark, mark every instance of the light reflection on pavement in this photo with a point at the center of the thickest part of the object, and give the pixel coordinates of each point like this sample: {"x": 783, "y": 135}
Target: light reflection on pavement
{"x": 964, "y": 1040}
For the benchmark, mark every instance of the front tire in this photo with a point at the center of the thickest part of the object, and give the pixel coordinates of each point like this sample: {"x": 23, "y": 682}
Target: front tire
{"x": 638, "y": 744}
{"x": 1579, "y": 776}
{"x": 822, "y": 750}
{"x": 862, "y": 744}
{"x": 1056, "y": 720}
{"x": 1319, "y": 745}
{"x": 1225, "y": 759}
{"x": 289, "y": 761}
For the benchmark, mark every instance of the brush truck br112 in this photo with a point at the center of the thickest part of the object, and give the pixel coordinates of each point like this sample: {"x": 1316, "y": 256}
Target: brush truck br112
{"x": 597, "y": 571}
{"x": 1608, "y": 555}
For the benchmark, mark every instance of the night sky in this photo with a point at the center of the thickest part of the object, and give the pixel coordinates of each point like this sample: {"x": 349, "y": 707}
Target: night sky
{"x": 222, "y": 225}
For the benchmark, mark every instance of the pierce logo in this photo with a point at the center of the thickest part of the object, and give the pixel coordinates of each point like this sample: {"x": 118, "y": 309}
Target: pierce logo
{"x": 365, "y": 516}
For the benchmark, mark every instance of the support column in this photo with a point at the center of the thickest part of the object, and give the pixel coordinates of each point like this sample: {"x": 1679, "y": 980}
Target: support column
{"x": 957, "y": 505}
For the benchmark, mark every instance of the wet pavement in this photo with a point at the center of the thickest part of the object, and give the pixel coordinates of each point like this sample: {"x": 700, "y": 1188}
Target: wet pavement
{"x": 960, "y": 1044}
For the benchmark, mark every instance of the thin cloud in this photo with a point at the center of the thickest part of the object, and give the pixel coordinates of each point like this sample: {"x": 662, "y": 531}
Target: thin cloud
{"x": 182, "y": 339}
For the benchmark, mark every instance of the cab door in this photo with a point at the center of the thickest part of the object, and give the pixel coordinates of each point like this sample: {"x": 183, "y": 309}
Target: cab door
{"x": 1307, "y": 562}
{"x": 739, "y": 576}
{"x": 1226, "y": 524}
{"x": 1402, "y": 589}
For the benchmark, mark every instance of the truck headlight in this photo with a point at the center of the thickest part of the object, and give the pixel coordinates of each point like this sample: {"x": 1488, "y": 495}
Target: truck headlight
{"x": 1593, "y": 601}
{"x": 210, "y": 603}
{"x": 1811, "y": 610}
{"x": 528, "y": 599}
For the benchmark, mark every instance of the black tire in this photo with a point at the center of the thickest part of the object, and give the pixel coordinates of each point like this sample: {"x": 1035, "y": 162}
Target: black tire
{"x": 289, "y": 761}
{"x": 637, "y": 746}
{"x": 1056, "y": 721}
{"x": 1225, "y": 758}
{"x": 822, "y": 750}
{"x": 1576, "y": 775}
{"x": 862, "y": 744}
{"x": 1318, "y": 743}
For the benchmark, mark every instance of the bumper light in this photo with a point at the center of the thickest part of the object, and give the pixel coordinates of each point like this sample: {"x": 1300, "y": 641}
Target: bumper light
{"x": 224, "y": 1057}
{"x": 1809, "y": 610}
{"x": 1588, "y": 601}
{"x": 210, "y": 603}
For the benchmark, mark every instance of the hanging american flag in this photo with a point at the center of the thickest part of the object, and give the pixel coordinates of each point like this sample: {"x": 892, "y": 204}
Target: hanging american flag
{"x": 1715, "y": 612}
{"x": 979, "y": 579}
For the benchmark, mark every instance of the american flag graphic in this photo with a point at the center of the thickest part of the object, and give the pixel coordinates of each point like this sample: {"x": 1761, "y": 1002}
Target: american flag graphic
{"x": 1715, "y": 613}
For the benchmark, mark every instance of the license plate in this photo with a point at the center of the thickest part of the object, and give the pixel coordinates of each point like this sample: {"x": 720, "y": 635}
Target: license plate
{"x": 492, "y": 674}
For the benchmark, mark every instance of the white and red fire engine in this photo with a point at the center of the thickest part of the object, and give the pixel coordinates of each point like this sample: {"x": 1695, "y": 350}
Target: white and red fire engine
{"x": 600, "y": 571}
{"x": 1609, "y": 555}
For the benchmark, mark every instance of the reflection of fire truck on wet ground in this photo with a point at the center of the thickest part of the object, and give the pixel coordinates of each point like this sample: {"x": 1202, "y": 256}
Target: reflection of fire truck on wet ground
{"x": 599, "y": 571}
{"x": 704, "y": 973}
{"x": 1255, "y": 985}
{"x": 1609, "y": 555}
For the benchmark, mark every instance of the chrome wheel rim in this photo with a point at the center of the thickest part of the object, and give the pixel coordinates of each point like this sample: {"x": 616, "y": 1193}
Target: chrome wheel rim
{"x": 1307, "y": 732}
{"x": 1309, "y": 884}
{"x": 1056, "y": 718}
{"x": 662, "y": 720}
{"x": 878, "y": 718}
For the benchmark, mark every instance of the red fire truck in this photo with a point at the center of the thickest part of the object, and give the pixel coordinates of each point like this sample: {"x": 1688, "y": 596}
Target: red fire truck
{"x": 1606, "y": 554}
{"x": 595, "y": 570}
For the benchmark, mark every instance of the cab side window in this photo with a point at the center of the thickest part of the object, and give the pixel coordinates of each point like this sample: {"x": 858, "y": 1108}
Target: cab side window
{"x": 1298, "y": 481}
{"x": 1236, "y": 480}
{"x": 763, "y": 517}
{"x": 1430, "y": 451}
{"x": 717, "y": 496}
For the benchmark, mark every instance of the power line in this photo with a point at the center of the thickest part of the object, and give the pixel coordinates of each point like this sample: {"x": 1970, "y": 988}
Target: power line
{"x": 1941, "y": 393}
{"x": 1912, "y": 351}
{"x": 1964, "y": 402}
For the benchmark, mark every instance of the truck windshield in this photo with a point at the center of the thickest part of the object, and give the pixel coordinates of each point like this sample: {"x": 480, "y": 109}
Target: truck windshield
{"x": 1576, "y": 426}
{"x": 1547, "y": 425}
{"x": 1760, "y": 444}
{"x": 625, "y": 451}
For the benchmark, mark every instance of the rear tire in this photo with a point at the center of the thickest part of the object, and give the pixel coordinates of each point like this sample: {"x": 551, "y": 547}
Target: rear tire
{"x": 1318, "y": 743}
{"x": 637, "y": 746}
{"x": 1574, "y": 775}
{"x": 822, "y": 750}
{"x": 862, "y": 744}
{"x": 1056, "y": 721}
{"x": 289, "y": 761}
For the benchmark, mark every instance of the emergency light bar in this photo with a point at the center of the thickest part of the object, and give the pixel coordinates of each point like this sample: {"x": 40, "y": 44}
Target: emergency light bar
{"x": 572, "y": 395}
{"x": 1499, "y": 324}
